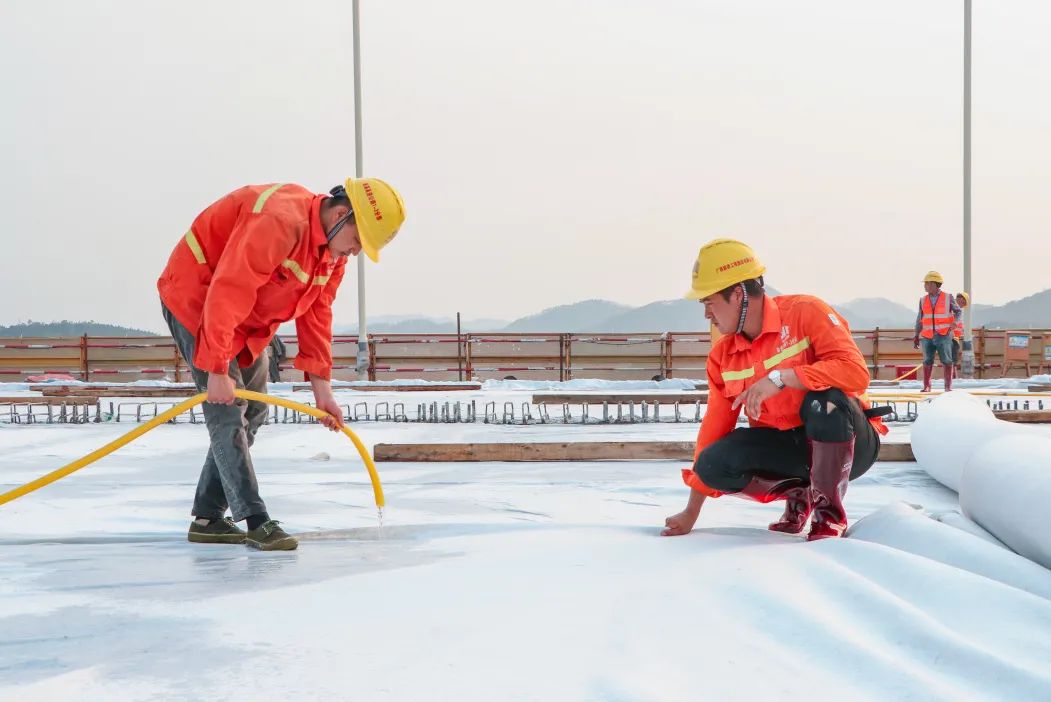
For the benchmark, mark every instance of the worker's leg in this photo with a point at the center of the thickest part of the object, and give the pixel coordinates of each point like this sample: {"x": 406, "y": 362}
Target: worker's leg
{"x": 763, "y": 465}
{"x": 945, "y": 355}
{"x": 729, "y": 464}
{"x": 228, "y": 477}
{"x": 254, "y": 378}
{"x": 928, "y": 347}
{"x": 844, "y": 445}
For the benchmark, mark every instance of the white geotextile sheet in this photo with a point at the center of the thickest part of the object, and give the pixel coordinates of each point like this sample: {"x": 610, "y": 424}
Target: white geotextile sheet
{"x": 1001, "y": 470}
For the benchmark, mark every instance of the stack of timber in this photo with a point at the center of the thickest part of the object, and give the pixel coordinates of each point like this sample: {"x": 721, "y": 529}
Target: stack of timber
{"x": 423, "y": 387}
{"x": 614, "y": 398}
{"x": 1024, "y": 416}
{"x": 569, "y": 451}
{"x": 97, "y": 391}
{"x": 78, "y": 401}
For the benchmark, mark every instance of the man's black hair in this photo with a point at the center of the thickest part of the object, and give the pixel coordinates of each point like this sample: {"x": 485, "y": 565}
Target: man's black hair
{"x": 754, "y": 288}
{"x": 339, "y": 197}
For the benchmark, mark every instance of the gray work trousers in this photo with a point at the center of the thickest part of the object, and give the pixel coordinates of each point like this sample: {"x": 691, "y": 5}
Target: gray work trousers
{"x": 228, "y": 478}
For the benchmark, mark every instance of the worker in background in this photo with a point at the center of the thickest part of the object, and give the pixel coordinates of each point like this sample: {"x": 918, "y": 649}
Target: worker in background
{"x": 935, "y": 321}
{"x": 962, "y": 300}
{"x": 260, "y": 256}
{"x": 791, "y": 364}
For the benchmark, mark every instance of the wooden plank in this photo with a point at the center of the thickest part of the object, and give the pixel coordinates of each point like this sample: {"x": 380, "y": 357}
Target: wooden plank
{"x": 89, "y": 386}
{"x": 396, "y": 388}
{"x": 1025, "y": 416}
{"x": 88, "y": 391}
{"x": 105, "y": 387}
{"x": 593, "y": 398}
{"x": 568, "y": 451}
{"x": 1039, "y": 387}
{"x": 35, "y": 400}
{"x": 558, "y": 451}
{"x": 896, "y": 453}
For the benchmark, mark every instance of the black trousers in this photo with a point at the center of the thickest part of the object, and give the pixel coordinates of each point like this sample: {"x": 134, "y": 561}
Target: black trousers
{"x": 829, "y": 415}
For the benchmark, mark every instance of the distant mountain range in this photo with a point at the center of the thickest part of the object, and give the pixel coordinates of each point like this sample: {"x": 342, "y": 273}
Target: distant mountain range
{"x": 686, "y": 316}
{"x": 402, "y": 324}
{"x": 68, "y": 328}
{"x": 580, "y": 316}
{"x": 1033, "y": 312}
{"x": 605, "y": 316}
{"x": 1029, "y": 312}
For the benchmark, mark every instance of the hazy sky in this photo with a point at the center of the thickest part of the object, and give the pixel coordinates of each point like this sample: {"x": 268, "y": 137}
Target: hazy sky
{"x": 547, "y": 151}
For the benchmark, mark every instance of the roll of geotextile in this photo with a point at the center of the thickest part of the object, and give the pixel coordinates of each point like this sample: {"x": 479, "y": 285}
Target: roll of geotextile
{"x": 1001, "y": 470}
{"x": 1006, "y": 488}
{"x": 950, "y": 430}
{"x": 899, "y": 526}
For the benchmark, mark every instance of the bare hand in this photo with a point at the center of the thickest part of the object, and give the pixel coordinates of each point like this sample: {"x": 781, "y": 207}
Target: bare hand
{"x": 327, "y": 402}
{"x": 221, "y": 389}
{"x": 680, "y": 524}
{"x": 754, "y": 397}
{"x": 915, "y": 342}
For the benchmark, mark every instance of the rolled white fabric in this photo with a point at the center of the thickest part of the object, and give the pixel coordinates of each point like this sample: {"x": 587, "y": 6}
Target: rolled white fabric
{"x": 950, "y": 430}
{"x": 1001, "y": 470}
{"x": 961, "y": 522}
{"x": 1006, "y": 488}
{"x": 899, "y": 526}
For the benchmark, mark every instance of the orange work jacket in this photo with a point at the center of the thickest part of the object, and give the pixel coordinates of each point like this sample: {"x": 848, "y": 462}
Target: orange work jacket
{"x": 937, "y": 318}
{"x": 799, "y": 332}
{"x": 251, "y": 261}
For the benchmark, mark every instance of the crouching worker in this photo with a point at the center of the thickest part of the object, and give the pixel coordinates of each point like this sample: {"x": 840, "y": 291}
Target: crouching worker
{"x": 791, "y": 364}
{"x": 258, "y": 257}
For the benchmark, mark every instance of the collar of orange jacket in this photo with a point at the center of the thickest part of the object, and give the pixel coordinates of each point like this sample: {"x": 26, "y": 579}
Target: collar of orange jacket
{"x": 317, "y": 232}
{"x": 771, "y": 323}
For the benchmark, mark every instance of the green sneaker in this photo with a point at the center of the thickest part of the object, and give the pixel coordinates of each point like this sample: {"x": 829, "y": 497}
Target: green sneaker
{"x": 219, "y": 531}
{"x": 271, "y": 537}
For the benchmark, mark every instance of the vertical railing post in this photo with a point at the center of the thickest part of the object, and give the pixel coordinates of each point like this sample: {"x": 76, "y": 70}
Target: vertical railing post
{"x": 84, "y": 370}
{"x": 569, "y": 357}
{"x": 468, "y": 367}
{"x": 372, "y": 356}
{"x": 875, "y": 354}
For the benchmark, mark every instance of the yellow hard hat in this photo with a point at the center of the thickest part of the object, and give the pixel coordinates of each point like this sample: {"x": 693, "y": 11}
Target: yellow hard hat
{"x": 378, "y": 212}
{"x": 966, "y": 298}
{"x": 720, "y": 264}
{"x": 933, "y": 277}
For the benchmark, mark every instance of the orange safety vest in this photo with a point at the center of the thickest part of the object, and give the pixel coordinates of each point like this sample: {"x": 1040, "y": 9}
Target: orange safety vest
{"x": 959, "y": 330}
{"x": 937, "y": 319}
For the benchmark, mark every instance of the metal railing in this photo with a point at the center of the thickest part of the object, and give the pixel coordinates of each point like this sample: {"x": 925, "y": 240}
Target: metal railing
{"x": 556, "y": 356}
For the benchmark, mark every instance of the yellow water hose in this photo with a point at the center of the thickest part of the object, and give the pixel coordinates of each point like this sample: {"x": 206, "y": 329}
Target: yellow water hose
{"x": 178, "y": 409}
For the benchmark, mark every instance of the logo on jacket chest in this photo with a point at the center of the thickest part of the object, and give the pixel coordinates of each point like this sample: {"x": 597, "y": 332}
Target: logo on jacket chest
{"x": 787, "y": 339}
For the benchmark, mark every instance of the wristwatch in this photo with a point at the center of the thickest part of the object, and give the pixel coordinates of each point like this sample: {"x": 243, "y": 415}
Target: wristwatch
{"x": 775, "y": 378}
